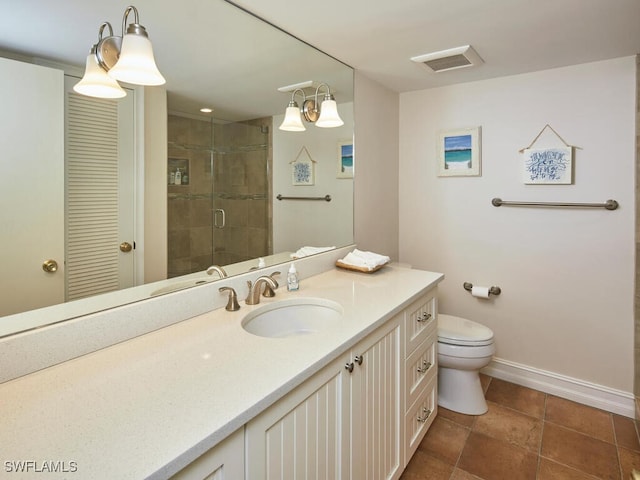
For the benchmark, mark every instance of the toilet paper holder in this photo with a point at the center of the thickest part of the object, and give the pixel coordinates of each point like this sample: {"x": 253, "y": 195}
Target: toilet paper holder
{"x": 492, "y": 290}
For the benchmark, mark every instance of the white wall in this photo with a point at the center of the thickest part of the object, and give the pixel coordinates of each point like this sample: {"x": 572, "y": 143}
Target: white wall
{"x": 298, "y": 223}
{"x": 376, "y": 161}
{"x": 567, "y": 275}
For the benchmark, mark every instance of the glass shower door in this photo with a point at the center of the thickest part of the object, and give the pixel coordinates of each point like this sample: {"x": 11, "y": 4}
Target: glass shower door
{"x": 218, "y": 210}
{"x": 241, "y": 210}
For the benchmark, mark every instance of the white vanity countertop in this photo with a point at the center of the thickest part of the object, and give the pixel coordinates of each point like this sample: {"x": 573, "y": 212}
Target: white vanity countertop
{"x": 147, "y": 407}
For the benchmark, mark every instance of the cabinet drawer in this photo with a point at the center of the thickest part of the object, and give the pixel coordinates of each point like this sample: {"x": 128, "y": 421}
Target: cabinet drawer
{"x": 420, "y": 417}
{"x": 420, "y": 367}
{"x": 420, "y": 320}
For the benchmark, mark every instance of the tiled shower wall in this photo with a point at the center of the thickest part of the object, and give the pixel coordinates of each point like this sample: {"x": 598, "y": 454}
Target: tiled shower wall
{"x": 240, "y": 156}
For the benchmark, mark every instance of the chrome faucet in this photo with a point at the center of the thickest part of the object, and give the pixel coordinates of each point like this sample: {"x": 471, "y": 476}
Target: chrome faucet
{"x": 253, "y": 298}
{"x": 219, "y": 270}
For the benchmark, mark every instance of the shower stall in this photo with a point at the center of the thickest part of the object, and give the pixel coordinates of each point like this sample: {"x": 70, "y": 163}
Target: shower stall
{"x": 219, "y": 183}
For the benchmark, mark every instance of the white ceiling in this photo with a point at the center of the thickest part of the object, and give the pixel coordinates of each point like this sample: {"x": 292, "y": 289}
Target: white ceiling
{"x": 378, "y": 37}
{"x": 241, "y": 62}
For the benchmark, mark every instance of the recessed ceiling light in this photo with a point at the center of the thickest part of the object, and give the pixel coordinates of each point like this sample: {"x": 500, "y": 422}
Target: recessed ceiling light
{"x": 450, "y": 59}
{"x": 206, "y": 110}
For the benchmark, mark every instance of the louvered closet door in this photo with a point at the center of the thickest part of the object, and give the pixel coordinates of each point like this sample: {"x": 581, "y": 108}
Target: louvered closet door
{"x": 100, "y": 180}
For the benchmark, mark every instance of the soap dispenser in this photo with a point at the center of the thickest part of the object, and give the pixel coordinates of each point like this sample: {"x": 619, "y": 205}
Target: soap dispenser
{"x": 292, "y": 279}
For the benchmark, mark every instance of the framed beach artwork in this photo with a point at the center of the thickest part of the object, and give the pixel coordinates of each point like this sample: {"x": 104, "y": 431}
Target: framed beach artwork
{"x": 459, "y": 152}
{"x": 345, "y": 159}
{"x": 548, "y": 166}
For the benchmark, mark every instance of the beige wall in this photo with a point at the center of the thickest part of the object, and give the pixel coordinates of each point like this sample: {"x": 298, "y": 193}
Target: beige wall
{"x": 567, "y": 275}
{"x": 154, "y": 204}
{"x": 376, "y": 166}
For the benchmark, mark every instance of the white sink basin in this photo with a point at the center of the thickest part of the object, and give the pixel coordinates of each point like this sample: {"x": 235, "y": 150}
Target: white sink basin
{"x": 294, "y": 317}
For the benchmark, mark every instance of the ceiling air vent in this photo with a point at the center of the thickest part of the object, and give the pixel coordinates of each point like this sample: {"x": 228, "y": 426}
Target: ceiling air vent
{"x": 450, "y": 59}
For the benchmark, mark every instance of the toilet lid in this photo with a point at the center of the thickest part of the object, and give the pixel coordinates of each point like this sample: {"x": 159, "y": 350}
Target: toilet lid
{"x": 460, "y": 331}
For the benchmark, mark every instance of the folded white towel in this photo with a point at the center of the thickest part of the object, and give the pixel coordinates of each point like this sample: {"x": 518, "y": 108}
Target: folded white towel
{"x": 355, "y": 261}
{"x": 368, "y": 260}
{"x": 372, "y": 259}
{"x": 305, "y": 251}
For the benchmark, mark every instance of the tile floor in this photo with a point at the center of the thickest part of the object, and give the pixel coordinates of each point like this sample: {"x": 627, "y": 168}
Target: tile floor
{"x": 527, "y": 434}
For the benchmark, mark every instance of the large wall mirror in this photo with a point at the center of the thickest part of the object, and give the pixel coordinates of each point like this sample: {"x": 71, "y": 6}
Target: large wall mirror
{"x": 202, "y": 188}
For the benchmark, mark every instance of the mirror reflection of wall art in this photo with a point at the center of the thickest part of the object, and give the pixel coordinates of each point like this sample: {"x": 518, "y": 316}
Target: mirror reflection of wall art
{"x": 302, "y": 168}
{"x": 548, "y": 166}
{"x": 459, "y": 152}
{"x": 345, "y": 159}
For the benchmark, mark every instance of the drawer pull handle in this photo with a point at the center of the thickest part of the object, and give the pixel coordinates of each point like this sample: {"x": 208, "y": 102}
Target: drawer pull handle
{"x": 425, "y": 317}
{"x": 358, "y": 359}
{"x": 425, "y": 366}
{"x": 349, "y": 366}
{"x": 425, "y": 417}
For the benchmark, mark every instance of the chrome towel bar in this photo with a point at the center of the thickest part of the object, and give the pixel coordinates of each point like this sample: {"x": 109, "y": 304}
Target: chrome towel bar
{"x": 609, "y": 204}
{"x": 326, "y": 198}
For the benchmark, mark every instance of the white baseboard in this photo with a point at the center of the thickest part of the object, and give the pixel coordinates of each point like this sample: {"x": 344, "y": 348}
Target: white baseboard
{"x": 586, "y": 393}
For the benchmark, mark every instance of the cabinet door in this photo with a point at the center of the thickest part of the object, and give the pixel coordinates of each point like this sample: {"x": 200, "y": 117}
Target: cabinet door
{"x": 376, "y": 406}
{"x": 225, "y": 461}
{"x": 304, "y": 435}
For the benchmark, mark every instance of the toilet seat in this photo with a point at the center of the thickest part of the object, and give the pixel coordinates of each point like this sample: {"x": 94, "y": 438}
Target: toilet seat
{"x": 454, "y": 330}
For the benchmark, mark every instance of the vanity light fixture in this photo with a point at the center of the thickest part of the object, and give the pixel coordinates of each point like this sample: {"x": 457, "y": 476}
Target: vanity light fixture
{"x": 128, "y": 58}
{"x": 324, "y": 115}
{"x": 292, "y": 120}
{"x": 96, "y": 82}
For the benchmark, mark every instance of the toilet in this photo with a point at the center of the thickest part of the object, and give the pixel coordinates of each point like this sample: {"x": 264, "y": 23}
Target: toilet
{"x": 464, "y": 347}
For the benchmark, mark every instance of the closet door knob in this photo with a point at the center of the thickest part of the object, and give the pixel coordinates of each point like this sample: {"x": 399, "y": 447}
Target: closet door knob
{"x": 50, "y": 266}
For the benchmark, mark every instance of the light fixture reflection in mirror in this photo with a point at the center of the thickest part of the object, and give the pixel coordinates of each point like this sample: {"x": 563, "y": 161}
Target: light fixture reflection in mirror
{"x": 292, "y": 119}
{"x": 128, "y": 58}
{"x": 324, "y": 115}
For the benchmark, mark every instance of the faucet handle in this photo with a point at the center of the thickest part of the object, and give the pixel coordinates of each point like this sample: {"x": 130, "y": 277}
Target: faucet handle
{"x": 268, "y": 291}
{"x": 232, "y": 303}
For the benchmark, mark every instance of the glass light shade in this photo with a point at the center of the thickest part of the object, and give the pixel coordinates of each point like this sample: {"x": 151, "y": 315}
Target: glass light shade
{"x": 292, "y": 121}
{"x": 136, "y": 64}
{"x": 96, "y": 82}
{"x": 329, "y": 117}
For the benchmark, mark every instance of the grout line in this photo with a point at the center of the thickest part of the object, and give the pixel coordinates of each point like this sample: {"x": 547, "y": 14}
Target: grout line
{"x": 544, "y": 415}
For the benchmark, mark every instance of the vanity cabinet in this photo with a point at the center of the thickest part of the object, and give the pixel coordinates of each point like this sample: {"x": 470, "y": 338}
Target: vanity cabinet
{"x": 361, "y": 417}
{"x": 344, "y": 422}
{"x": 421, "y": 367}
{"x": 225, "y": 461}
